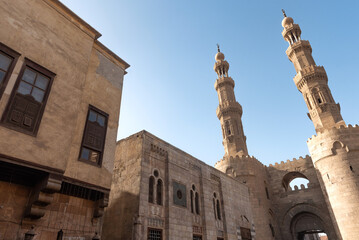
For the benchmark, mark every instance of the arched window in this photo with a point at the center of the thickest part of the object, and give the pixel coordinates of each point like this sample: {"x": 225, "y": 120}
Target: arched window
{"x": 150, "y": 189}
{"x": 159, "y": 192}
{"x": 197, "y": 202}
{"x": 218, "y": 210}
{"x": 214, "y": 208}
{"x": 191, "y": 193}
{"x": 194, "y": 200}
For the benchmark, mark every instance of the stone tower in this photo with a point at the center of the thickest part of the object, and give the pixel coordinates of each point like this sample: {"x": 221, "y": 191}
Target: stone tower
{"x": 229, "y": 111}
{"x": 236, "y": 161}
{"x": 335, "y": 149}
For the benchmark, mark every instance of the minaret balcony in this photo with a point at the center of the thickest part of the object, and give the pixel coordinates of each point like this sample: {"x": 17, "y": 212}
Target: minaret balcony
{"x": 290, "y": 28}
{"x": 300, "y": 45}
{"x": 229, "y": 107}
{"x": 221, "y": 81}
{"x": 310, "y": 74}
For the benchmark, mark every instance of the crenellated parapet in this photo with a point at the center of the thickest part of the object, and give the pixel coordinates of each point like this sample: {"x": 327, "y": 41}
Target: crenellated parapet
{"x": 292, "y": 165}
{"x": 240, "y": 165}
{"x": 328, "y": 142}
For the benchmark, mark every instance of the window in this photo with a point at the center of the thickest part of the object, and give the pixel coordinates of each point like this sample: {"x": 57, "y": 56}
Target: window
{"x": 93, "y": 141}
{"x": 155, "y": 184}
{"x": 197, "y": 237}
{"x": 216, "y": 207}
{"x": 159, "y": 192}
{"x": 246, "y": 233}
{"x": 194, "y": 200}
{"x": 154, "y": 234}
{"x": 8, "y": 58}
{"x": 150, "y": 189}
{"x": 272, "y": 229}
{"x": 28, "y": 98}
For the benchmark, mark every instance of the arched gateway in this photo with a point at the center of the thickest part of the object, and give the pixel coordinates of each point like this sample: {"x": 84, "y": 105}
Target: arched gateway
{"x": 303, "y": 221}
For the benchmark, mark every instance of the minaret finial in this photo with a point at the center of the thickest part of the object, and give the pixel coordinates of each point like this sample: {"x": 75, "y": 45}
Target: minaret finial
{"x": 218, "y": 47}
{"x": 285, "y": 15}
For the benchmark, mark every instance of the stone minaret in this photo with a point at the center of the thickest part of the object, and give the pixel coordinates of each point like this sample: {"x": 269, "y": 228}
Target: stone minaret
{"x": 229, "y": 111}
{"x": 311, "y": 80}
{"x": 335, "y": 149}
{"x": 236, "y": 162}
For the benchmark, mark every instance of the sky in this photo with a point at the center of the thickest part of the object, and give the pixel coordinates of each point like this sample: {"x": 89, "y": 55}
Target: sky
{"x": 169, "y": 88}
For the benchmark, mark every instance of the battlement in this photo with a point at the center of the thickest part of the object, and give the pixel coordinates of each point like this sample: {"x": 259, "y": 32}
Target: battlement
{"x": 237, "y": 158}
{"x": 283, "y": 164}
{"x": 335, "y": 130}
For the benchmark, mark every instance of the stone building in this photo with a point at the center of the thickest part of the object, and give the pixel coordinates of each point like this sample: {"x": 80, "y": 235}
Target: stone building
{"x": 60, "y": 95}
{"x": 160, "y": 192}
{"x": 145, "y": 203}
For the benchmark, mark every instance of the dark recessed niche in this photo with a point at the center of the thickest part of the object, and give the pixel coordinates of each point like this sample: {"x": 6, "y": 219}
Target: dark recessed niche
{"x": 179, "y": 194}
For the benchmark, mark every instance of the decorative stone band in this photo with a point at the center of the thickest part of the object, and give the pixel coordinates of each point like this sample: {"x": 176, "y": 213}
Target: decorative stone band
{"x": 223, "y": 81}
{"x": 326, "y": 143}
{"x": 297, "y": 47}
{"x": 229, "y": 107}
{"x": 308, "y": 74}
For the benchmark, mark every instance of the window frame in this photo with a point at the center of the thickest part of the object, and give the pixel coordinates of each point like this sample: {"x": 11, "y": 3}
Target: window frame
{"x": 98, "y": 111}
{"x": 156, "y": 229}
{"x": 15, "y": 56}
{"x": 39, "y": 69}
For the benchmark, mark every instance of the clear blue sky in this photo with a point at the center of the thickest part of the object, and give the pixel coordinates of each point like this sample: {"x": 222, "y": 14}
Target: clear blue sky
{"x": 169, "y": 88}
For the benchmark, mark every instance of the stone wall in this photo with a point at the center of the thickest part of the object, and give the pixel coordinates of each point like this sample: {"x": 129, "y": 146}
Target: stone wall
{"x": 179, "y": 170}
{"x": 290, "y": 204}
{"x": 71, "y": 214}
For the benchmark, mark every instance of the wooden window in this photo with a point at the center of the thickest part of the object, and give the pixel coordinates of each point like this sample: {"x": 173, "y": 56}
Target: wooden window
{"x": 159, "y": 192}
{"x": 154, "y": 234}
{"x": 28, "y": 98}
{"x": 8, "y": 58}
{"x": 150, "y": 189}
{"x": 93, "y": 141}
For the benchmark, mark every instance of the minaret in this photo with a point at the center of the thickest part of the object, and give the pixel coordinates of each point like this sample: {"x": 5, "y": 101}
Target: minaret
{"x": 311, "y": 80}
{"x": 229, "y": 111}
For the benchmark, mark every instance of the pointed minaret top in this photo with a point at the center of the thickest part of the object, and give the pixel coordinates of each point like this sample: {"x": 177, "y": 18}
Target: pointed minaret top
{"x": 218, "y": 47}
{"x": 285, "y": 15}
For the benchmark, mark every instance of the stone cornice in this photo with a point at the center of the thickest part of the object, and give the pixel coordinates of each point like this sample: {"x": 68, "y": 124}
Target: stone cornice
{"x": 297, "y": 46}
{"x": 310, "y": 73}
{"x": 228, "y": 107}
{"x": 223, "y": 81}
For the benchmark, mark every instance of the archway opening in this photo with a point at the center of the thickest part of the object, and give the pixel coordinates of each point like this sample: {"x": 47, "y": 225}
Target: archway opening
{"x": 292, "y": 179}
{"x": 308, "y": 226}
{"x": 312, "y": 235}
{"x": 299, "y": 182}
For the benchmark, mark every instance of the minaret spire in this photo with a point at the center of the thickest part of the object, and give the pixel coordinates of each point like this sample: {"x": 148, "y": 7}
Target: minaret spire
{"x": 311, "y": 80}
{"x": 285, "y": 15}
{"x": 229, "y": 111}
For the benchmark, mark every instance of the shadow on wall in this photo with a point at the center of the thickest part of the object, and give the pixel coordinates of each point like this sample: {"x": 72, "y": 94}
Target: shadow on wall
{"x": 120, "y": 216}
